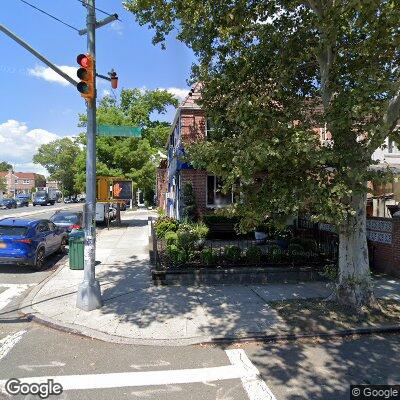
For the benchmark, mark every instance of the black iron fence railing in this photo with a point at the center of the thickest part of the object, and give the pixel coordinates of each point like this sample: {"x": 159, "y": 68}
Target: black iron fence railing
{"x": 309, "y": 246}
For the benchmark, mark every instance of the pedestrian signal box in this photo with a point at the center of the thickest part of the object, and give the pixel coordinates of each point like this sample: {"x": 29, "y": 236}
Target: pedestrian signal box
{"x": 122, "y": 190}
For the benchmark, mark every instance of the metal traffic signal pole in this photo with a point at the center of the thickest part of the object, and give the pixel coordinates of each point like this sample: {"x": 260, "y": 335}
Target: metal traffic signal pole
{"x": 89, "y": 293}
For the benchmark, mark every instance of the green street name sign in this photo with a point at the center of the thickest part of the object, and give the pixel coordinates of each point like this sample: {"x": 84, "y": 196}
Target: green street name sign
{"x": 114, "y": 130}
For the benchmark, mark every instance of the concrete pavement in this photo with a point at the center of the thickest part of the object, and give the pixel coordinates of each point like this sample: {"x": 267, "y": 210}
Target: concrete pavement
{"x": 137, "y": 312}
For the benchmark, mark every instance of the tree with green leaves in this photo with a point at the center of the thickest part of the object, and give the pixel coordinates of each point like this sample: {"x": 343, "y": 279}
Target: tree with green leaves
{"x": 272, "y": 72}
{"x": 59, "y": 158}
{"x": 5, "y": 166}
{"x": 3, "y": 185}
{"x": 132, "y": 158}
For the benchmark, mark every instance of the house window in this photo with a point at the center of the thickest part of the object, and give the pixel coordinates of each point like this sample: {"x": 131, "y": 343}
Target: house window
{"x": 209, "y": 128}
{"x": 26, "y": 181}
{"x": 215, "y": 197}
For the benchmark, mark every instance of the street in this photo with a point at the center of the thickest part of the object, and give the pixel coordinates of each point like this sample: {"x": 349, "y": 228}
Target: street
{"x": 288, "y": 371}
{"x": 39, "y": 211}
{"x": 92, "y": 369}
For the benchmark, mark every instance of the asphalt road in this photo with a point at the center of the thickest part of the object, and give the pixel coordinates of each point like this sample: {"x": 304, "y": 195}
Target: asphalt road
{"x": 38, "y": 211}
{"x": 315, "y": 370}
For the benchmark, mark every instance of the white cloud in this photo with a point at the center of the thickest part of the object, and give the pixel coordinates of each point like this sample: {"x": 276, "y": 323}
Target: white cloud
{"x": 51, "y": 76}
{"x": 180, "y": 93}
{"x": 19, "y": 144}
{"x": 30, "y": 167}
{"x": 105, "y": 92}
{"x": 117, "y": 27}
{"x": 177, "y": 92}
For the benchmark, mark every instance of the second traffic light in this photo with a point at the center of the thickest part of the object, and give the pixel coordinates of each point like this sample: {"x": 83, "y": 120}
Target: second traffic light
{"x": 86, "y": 75}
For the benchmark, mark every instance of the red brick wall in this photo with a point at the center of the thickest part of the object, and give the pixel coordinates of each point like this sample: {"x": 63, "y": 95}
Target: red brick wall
{"x": 162, "y": 187}
{"x": 198, "y": 178}
{"x": 193, "y": 125}
{"x": 386, "y": 257}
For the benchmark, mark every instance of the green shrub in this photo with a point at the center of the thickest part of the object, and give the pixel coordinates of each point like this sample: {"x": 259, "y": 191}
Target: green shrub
{"x": 176, "y": 255}
{"x": 186, "y": 239}
{"x": 208, "y": 256}
{"x": 254, "y": 254}
{"x": 171, "y": 237}
{"x": 164, "y": 225}
{"x": 232, "y": 253}
{"x": 275, "y": 254}
{"x": 201, "y": 230}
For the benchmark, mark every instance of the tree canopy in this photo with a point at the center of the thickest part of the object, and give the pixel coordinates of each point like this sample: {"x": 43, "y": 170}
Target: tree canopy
{"x": 5, "y": 166}
{"x": 133, "y": 158}
{"x": 59, "y": 158}
{"x": 274, "y": 71}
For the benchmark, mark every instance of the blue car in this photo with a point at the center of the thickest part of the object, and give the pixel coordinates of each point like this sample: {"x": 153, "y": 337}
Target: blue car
{"x": 29, "y": 242}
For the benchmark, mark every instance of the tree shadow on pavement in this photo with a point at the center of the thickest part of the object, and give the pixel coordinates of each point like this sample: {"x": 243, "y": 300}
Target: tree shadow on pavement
{"x": 324, "y": 370}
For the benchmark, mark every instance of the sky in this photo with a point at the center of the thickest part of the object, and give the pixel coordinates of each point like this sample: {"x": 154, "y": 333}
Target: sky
{"x": 37, "y": 106}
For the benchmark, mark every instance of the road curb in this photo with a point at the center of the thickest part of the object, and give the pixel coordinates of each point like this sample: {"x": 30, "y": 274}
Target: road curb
{"x": 83, "y": 331}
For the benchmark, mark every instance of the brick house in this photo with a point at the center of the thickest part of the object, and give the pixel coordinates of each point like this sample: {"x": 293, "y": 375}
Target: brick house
{"x": 190, "y": 124}
{"x": 22, "y": 182}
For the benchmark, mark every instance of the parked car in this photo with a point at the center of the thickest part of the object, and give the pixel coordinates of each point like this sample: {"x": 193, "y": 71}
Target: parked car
{"x": 8, "y": 203}
{"x": 69, "y": 221}
{"x": 22, "y": 200}
{"x": 29, "y": 242}
{"x": 41, "y": 198}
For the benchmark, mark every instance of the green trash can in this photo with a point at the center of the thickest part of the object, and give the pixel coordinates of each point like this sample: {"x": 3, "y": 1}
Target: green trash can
{"x": 77, "y": 250}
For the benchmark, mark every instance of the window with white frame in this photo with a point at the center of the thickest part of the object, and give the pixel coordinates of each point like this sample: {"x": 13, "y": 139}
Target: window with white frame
{"x": 215, "y": 197}
{"x": 26, "y": 181}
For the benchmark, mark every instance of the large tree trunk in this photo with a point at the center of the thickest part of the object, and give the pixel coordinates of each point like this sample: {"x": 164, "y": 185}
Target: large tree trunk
{"x": 355, "y": 285}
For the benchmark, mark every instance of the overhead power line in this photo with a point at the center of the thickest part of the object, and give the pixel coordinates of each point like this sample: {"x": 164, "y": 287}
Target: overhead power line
{"x": 49, "y": 15}
{"x": 97, "y": 9}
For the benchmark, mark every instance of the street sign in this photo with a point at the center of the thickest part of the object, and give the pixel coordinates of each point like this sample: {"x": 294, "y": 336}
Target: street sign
{"x": 114, "y": 130}
{"x": 122, "y": 190}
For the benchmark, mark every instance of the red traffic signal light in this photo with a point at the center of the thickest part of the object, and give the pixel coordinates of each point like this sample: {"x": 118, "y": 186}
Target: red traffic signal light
{"x": 86, "y": 75}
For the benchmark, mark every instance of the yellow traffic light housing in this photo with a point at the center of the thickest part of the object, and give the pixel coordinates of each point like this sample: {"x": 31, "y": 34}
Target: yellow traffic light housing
{"x": 86, "y": 75}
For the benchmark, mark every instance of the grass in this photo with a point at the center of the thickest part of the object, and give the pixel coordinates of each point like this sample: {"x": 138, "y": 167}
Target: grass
{"x": 316, "y": 315}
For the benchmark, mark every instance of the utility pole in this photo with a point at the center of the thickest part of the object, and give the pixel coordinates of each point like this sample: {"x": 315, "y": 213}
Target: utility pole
{"x": 89, "y": 293}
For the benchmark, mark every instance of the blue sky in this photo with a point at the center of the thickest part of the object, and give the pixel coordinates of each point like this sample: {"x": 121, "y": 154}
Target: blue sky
{"x": 37, "y": 106}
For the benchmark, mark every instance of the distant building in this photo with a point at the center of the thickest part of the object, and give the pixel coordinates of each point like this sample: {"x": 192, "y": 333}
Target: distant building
{"x": 22, "y": 182}
{"x": 53, "y": 185}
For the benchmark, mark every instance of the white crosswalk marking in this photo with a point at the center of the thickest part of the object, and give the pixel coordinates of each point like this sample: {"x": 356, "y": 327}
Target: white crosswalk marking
{"x": 254, "y": 386}
{"x": 12, "y": 291}
{"x": 7, "y": 343}
{"x": 240, "y": 368}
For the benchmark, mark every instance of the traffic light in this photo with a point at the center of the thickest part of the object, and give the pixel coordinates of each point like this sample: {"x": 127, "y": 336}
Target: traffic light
{"x": 86, "y": 75}
{"x": 114, "y": 79}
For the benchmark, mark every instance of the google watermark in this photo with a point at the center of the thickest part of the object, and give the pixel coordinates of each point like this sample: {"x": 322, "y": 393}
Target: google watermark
{"x": 375, "y": 392}
{"x": 14, "y": 387}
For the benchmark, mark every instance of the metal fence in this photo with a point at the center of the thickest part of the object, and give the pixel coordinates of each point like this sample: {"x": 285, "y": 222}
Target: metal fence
{"x": 249, "y": 252}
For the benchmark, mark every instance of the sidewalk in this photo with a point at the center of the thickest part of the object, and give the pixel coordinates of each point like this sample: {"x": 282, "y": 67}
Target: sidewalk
{"x": 137, "y": 312}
